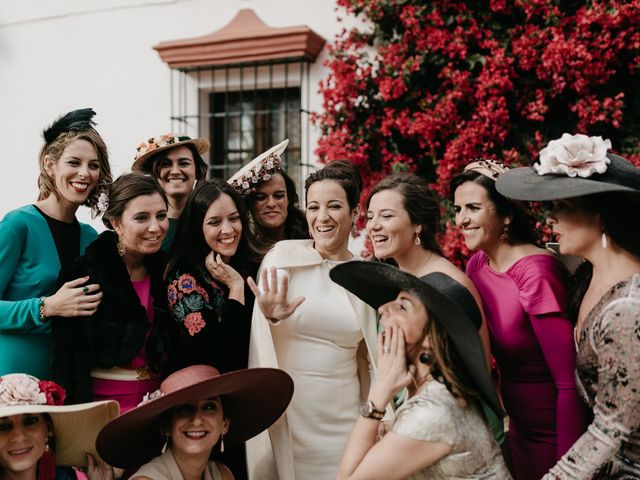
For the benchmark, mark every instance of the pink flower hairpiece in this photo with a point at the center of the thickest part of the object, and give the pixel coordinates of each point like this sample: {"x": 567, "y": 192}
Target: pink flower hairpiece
{"x": 158, "y": 142}
{"x": 23, "y": 389}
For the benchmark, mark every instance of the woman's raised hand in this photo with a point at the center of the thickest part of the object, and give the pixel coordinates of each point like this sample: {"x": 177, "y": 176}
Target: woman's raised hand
{"x": 272, "y": 297}
{"x": 393, "y": 373}
{"x": 74, "y": 299}
{"x": 221, "y": 271}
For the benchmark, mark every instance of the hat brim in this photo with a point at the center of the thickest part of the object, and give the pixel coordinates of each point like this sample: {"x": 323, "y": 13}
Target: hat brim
{"x": 378, "y": 283}
{"x": 258, "y": 397}
{"x": 277, "y": 149}
{"x": 142, "y": 162}
{"x": 75, "y": 427}
{"x": 525, "y": 183}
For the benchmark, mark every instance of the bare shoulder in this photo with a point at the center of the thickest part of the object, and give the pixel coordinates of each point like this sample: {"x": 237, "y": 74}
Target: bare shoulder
{"x": 225, "y": 473}
{"x": 441, "y": 264}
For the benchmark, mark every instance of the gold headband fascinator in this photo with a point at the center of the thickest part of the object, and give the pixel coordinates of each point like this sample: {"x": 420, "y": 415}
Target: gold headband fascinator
{"x": 489, "y": 168}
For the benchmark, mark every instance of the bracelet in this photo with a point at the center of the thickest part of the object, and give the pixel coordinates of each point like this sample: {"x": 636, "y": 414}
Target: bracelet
{"x": 43, "y": 316}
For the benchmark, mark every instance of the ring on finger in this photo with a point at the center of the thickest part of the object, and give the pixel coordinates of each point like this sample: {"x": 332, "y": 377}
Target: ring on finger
{"x": 386, "y": 349}
{"x": 85, "y": 290}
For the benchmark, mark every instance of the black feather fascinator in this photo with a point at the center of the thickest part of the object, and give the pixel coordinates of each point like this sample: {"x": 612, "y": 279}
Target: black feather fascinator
{"x": 77, "y": 120}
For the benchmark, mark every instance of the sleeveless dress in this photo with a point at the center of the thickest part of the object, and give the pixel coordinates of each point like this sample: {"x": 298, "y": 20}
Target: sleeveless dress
{"x": 532, "y": 342}
{"x": 434, "y": 415}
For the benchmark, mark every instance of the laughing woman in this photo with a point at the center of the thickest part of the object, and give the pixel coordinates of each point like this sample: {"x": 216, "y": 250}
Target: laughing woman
{"x": 593, "y": 193}
{"x": 322, "y": 342}
{"x": 176, "y": 162}
{"x": 118, "y": 351}
{"x": 36, "y": 240}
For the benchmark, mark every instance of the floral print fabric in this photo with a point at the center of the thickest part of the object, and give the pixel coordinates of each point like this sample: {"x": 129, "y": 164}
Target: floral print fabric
{"x": 187, "y": 300}
{"x": 608, "y": 378}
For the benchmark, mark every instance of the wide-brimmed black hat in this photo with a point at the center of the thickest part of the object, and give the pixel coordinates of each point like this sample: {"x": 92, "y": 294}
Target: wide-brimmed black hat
{"x": 450, "y": 302}
{"x": 525, "y": 183}
{"x": 257, "y": 397}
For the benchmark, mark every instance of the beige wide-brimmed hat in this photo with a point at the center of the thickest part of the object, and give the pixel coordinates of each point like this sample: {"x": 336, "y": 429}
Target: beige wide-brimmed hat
{"x": 260, "y": 169}
{"x": 163, "y": 142}
{"x": 75, "y": 427}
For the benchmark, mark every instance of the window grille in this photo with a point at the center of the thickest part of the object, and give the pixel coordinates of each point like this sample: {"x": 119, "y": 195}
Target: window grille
{"x": 244, "y": 109}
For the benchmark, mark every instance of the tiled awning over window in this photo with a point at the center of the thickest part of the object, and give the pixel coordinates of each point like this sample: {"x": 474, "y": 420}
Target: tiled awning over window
{"x": 245, "y": 39}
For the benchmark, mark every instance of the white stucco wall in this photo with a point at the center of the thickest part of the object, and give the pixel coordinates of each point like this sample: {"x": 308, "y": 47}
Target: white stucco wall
{"x": 57, "y": 56}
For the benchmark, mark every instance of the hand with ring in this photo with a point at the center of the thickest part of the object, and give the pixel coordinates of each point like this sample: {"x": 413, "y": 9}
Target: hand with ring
{"x": 75, "y": 298}
{"x": 393, "y": 371}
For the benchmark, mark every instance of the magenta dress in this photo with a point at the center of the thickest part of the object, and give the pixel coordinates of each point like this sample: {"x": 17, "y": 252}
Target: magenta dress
{"x": 532, "y": 342}
{"x": 129, "y": 393}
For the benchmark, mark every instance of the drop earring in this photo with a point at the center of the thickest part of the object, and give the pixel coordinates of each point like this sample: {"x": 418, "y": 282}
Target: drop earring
{"x": 417, "y": 240}
{"x": 604, "y": 240}
{"x": 166, "y": 442}
{"x": 506, "y": 233}
{"x": 425, "y": 358}
{"x": 222, "y": 443}
{"x": 122, "y": 249}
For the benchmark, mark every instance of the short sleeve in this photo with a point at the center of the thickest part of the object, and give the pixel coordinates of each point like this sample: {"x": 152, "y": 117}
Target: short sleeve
{"x": 475, "y": 263}
{"x": 540, "y": 280}
{"x": 428, "y": 419}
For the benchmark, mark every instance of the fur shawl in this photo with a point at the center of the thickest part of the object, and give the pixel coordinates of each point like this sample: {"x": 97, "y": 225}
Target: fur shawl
{"x": 116, "y": 332}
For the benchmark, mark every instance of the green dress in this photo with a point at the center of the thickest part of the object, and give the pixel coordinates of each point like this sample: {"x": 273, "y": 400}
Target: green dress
{"x": 29, "y": 267}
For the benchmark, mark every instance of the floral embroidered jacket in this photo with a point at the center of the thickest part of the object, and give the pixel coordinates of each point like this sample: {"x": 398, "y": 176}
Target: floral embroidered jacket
{"x": 207, "y": 328}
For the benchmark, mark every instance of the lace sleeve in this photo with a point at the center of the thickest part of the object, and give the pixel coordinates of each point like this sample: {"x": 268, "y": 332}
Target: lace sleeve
{"x": 616, "y": 340}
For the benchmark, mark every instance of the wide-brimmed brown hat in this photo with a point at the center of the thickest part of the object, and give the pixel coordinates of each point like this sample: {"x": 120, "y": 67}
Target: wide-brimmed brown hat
{"x": 153, "y": 145}
{"x": 451, "y": 303}
{"x": 257, "y": 398}
{"x": 261, "y": 169}
{"x": 75, "y": 427}
{"x": 571, "y": 166}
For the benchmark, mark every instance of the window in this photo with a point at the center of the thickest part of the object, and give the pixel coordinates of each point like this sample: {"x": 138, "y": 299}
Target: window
{"x": 244, "y": 110}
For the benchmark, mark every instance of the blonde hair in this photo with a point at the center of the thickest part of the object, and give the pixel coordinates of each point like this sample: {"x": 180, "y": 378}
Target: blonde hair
{"x": 54, "y": 150}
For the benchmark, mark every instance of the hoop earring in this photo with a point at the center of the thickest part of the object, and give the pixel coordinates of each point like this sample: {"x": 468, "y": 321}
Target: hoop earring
{"x": 122, "y": 249}
{"x": 605, "y": 242}
{"x": 506, "y": 233}
{"x": 417, "y": 240}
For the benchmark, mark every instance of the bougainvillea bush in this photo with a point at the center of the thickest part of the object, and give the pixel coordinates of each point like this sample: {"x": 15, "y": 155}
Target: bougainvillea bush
{"x": 428, "y": 86}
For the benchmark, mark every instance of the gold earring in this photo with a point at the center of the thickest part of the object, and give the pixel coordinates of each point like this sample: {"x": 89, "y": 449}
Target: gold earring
{"x": 122, "y": 249}
{"x": 417, "y": 240}
{"x": 506, "y": 233}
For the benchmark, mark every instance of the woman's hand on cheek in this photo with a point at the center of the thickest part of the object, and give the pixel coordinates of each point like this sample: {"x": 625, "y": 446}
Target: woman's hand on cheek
{"x": 222, "y": 272}
{"x": 393, "y": 373}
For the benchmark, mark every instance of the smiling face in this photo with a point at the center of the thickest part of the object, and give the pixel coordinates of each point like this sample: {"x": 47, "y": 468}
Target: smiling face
{"x": 389, "y": 226}
{"x": 76, "y": 172}
{"x": 143, "y": 224}
{"x": 578, "y": 231}
{"x": 222, "y": 226}
{"x": 329, "y": 218}
{"x": 270, "y": 204}
{"x": 22, "y": 443}
{"x": 177, "y": 172}
{"x": 477, "y": 218}
{"x": 196, "y": 427}
{"x": 409, "y": 314}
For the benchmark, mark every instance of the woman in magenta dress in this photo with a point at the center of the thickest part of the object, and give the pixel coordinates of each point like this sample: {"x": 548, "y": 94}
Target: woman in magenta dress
{"x": 523, "y": 290}
{"x": 119, "y": 352}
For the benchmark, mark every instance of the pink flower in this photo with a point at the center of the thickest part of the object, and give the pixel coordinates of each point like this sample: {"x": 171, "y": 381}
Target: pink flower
{"x": 575, "y": 156}
{"x": 194, "y": 322}
{"x": 186, "y": 283}
{"x": 21, "y": 389}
